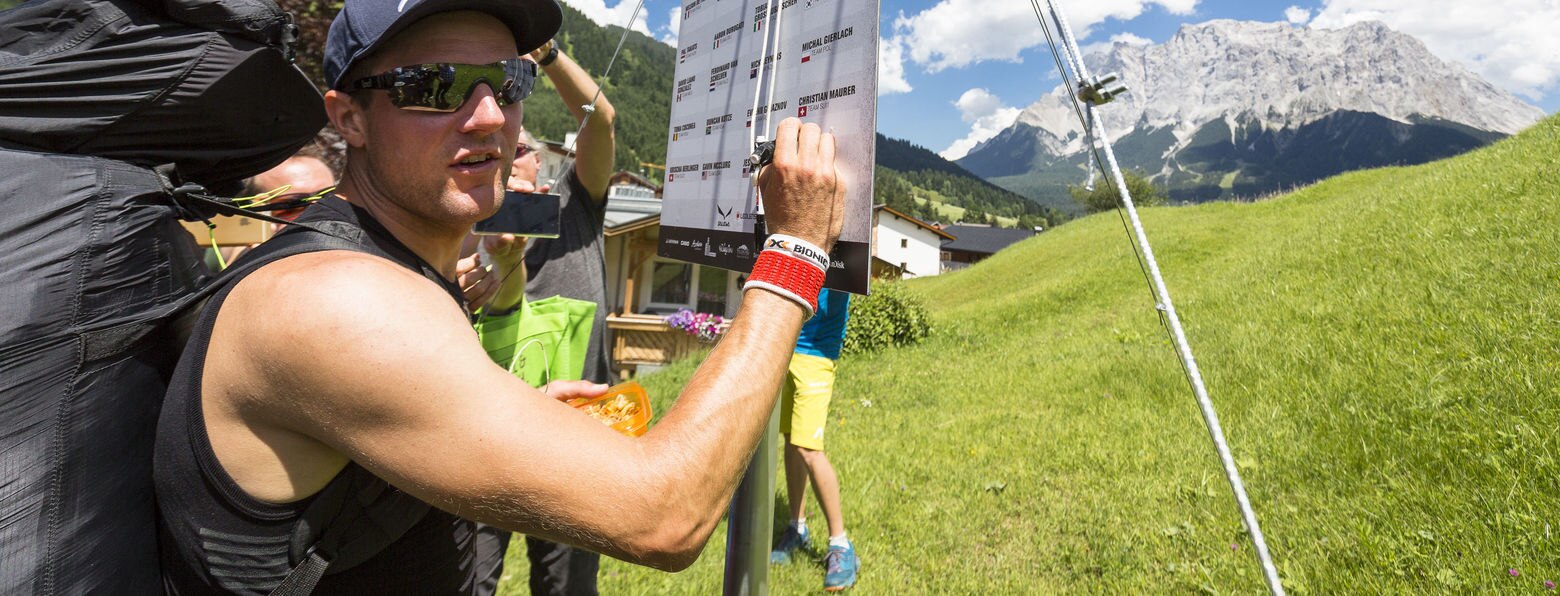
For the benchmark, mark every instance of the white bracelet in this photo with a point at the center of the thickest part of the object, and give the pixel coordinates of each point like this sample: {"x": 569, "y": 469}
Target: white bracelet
{"x": 796, "y": 246}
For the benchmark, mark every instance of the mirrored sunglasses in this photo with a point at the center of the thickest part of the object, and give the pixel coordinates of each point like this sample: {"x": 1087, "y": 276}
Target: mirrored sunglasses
{"x": 444, "y": 87}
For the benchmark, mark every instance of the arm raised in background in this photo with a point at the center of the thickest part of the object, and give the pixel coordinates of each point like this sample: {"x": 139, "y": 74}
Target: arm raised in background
{"x": 595, "y": 148}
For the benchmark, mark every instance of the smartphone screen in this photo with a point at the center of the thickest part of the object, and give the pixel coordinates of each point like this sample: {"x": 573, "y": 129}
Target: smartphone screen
{"x": 524, "y": 214}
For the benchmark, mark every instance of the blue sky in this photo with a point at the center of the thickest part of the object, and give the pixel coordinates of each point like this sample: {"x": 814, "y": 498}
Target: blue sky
{"x": 955, "y": 71}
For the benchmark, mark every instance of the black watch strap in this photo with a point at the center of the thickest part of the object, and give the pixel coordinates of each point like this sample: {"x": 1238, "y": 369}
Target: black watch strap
{"x": 552, "y": 54}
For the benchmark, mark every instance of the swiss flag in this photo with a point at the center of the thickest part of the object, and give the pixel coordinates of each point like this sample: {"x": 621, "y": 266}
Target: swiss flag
{"x": 806, "y": 58}
{"x": 801, "y": 112}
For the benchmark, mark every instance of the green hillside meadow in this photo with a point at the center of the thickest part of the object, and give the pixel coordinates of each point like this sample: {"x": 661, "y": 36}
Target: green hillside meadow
{"x": 1382, "y": 348}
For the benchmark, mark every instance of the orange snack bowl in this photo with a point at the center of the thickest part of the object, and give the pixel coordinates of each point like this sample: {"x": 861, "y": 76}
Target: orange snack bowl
{"x": 625, "y": 407}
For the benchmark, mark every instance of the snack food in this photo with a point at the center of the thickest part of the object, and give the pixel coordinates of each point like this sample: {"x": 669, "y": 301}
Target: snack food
{"x": 625, "y": 407}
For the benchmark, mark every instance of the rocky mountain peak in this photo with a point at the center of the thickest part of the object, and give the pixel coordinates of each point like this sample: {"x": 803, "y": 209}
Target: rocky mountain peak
{"x": 1277, "y": 75}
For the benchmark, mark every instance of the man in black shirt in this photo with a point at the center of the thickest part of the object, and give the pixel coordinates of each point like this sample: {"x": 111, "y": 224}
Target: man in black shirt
{"x": 378, "y": 375}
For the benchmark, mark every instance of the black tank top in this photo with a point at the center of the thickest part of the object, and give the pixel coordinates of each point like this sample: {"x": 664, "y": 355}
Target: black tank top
{"x": 215, "y": 538}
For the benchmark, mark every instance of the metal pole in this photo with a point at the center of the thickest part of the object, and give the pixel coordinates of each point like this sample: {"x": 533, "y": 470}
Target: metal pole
{"x": 750, "y": 520}
{"x": 1181, "y": 344}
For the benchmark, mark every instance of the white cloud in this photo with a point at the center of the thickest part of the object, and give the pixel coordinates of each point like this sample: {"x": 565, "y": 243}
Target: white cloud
{"x": 986, "y": 115}
{"x": 958, "y": 33}
{"x": 673, "y": 25}
{"x": 891, "y": 68}
{"x": 1296, "y": 15}
{"x": 1512, "y": 43}
{"x": 601, "y": 14}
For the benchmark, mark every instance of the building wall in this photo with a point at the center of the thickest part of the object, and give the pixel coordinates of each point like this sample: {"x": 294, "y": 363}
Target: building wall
{"x": 897, "y": 240}
{"x": 551, "y": 166}
{"x": 621, "y": 264}
{"x": 615, "y": 249}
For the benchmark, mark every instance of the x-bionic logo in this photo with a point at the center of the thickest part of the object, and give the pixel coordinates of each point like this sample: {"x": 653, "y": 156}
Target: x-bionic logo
{"x": 821, "y": 260}
{"x": 725, "y": 213}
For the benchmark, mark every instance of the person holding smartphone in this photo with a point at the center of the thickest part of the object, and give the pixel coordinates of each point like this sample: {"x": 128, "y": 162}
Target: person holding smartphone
{"x": 573, "y": 265}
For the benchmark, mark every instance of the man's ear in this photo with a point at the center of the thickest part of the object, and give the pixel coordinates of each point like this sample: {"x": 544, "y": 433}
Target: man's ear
{"x": 348, "y": 117}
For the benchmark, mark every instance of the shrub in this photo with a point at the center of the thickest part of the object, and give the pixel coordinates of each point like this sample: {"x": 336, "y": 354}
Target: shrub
{"x": 1104, "y": 197}
{"x": 891, "y": 316}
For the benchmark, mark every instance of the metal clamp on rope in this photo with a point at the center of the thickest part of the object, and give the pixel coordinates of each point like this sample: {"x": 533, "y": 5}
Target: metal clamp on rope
{"x": 1095, "y": 91}
{"x": 763, "y": 155}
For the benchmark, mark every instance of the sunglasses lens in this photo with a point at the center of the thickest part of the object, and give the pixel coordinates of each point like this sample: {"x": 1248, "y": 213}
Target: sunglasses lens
{"x": 445, "y": 87}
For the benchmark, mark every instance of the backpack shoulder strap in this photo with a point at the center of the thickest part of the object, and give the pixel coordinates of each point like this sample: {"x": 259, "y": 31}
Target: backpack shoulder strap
{"x": 355, "y": 517}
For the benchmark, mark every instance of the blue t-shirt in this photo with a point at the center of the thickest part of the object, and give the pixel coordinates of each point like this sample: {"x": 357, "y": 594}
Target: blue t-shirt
{"x": 824, "y": 334}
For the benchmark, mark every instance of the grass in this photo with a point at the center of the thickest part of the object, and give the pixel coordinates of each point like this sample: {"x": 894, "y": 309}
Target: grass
{"x": 1383, "y": 348}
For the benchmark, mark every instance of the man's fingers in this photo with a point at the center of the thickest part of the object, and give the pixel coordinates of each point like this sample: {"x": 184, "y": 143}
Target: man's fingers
{"x": 570, "y": 390}
{"x": 807, "y": 144}
{"x": 481, "y": 294}
{"x": 466, "y": 265}
{"x": 785, "y": 140}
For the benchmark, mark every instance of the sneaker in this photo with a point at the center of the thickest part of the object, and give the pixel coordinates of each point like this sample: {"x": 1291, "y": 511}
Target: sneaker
{"x": 842, "y": 564}
{"x": 791, "y": 541}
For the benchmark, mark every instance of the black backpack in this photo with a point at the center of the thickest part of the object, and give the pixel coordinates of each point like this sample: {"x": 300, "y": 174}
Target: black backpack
{"x": 116, "y": 117}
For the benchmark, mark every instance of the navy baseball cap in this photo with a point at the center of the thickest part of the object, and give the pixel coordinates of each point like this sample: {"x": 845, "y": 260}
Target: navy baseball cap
{"x": 364, "y": 24}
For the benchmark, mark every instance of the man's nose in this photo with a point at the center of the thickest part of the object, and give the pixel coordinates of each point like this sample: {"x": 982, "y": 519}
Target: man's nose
{"x": 486, "y": 116}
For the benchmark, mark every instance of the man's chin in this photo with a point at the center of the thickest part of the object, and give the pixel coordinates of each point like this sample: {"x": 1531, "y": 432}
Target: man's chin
{"x": 481, "y": 202}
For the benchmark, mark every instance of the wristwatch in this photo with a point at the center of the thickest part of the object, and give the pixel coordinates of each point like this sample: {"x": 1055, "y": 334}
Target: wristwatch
{"x": 550, "y": 56}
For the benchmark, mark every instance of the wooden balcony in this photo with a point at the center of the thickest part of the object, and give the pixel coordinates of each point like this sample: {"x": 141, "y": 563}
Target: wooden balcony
{"x": 639, "y": 340}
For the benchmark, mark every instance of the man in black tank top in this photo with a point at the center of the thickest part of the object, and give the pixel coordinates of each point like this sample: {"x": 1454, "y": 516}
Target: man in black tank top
{"x": 357, "y": 364}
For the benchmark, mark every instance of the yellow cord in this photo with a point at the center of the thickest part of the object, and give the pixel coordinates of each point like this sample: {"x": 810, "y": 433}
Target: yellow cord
{"x": 262, "y": 198}
{"x": 211, "y": 229}
{"x": 266, "y": 197}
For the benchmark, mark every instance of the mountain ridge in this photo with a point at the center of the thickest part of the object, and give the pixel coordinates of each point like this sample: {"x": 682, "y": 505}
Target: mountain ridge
{"x": 1275, "y": 92}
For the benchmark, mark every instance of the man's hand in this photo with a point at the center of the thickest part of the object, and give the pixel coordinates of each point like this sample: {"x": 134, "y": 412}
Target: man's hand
{"x": 501, "y": 288}
{"x": 566, "y": 391}
{"x": 476, "y": 282}
{"x": 802, "y": 193}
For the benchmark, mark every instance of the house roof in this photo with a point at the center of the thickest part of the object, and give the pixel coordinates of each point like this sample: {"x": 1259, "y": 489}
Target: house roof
{"x": 982, "y": 239}
{"x": 946, "y": 236}
{"x": 622, "y": 176}
{"x": 556, "y": 147}
{"x": 626, "y": 214}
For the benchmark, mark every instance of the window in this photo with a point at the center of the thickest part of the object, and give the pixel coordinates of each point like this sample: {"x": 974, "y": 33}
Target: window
{"x": 713, "y": 291}
{"x": 673, "y": 285}
{"x": 904, "y": 243}
{"x": 670, "y": 283}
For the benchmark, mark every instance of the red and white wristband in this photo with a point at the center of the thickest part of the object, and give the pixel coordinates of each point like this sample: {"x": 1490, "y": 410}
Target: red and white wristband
{"x": 791, "y": 267}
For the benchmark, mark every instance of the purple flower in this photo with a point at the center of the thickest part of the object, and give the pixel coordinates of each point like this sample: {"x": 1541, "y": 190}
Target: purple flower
{"x": 1513, "y": 571}
{"x": 1549, "y": 585}
{"x": 704, "y": 326}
